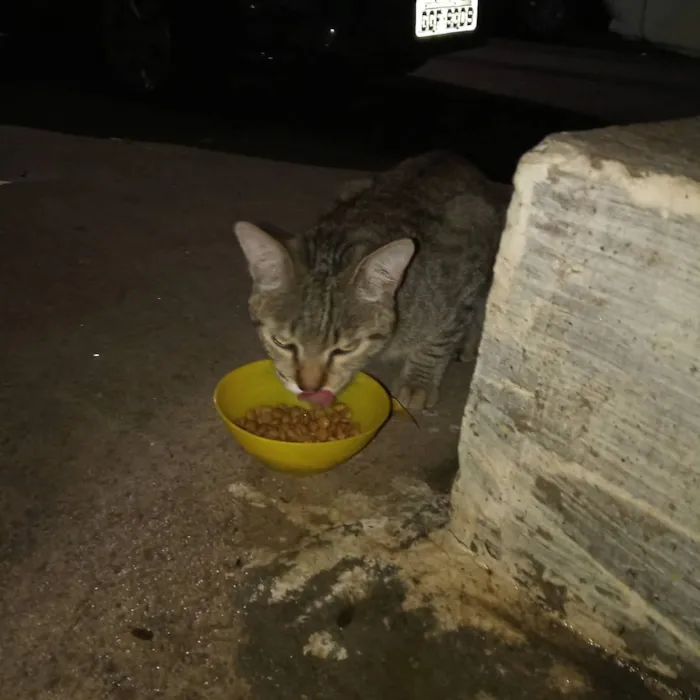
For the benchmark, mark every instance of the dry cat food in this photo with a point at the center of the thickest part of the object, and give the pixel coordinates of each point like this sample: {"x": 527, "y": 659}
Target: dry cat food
{"x": 297, "y": 424}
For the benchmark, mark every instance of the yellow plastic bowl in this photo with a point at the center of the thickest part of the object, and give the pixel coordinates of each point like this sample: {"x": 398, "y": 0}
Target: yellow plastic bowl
{"x": 257, "y": 384}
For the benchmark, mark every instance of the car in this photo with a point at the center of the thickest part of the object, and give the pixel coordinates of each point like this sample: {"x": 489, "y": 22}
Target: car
{"x": 669, "y": 25}
{"x": 551, "y": 20}
{"x": 148, "y": 45}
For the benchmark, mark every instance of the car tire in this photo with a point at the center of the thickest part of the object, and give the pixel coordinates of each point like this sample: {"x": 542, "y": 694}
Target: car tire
{"x": 138, "y": 45}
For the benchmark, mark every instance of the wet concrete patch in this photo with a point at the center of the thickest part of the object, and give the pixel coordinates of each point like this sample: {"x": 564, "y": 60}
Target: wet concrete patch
{"x": 364, "y": 644}
{"x": 374, "y": 603}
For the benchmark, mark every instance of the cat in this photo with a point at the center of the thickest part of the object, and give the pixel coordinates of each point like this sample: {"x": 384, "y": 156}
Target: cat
{"x": 400, "y": 265}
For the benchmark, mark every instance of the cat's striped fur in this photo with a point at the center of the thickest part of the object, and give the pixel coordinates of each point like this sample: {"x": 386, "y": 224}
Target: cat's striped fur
{"x": 401, "y": 263}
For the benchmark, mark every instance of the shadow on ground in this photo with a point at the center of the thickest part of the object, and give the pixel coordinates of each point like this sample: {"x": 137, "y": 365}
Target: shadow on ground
{"x": 373, "y": 649}
{"x": 358, "y": 125}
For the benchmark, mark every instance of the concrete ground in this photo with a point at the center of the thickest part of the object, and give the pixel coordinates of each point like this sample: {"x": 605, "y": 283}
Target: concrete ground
{"x": 144, "y": 555}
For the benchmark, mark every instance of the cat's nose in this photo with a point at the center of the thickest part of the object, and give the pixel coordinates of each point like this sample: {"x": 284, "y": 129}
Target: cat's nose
{"x": 311, "y": 376}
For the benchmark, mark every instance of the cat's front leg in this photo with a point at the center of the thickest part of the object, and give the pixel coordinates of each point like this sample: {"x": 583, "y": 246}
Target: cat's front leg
{"x": 418, "y": 385}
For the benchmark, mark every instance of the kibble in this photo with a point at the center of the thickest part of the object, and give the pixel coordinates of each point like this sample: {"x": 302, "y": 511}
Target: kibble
{"x": 298, "y": 424}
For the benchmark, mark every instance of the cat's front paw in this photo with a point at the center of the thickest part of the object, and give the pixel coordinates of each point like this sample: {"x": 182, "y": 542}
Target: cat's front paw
{"x": 467, "y": 355}
{"x": 416, "y": 398}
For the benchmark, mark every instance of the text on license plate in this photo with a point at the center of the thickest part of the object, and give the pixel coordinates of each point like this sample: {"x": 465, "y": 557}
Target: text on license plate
{"x": 437, "y": 17}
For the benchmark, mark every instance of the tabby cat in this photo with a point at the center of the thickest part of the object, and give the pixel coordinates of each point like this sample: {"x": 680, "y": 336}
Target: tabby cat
{"x": 400, "y": 264}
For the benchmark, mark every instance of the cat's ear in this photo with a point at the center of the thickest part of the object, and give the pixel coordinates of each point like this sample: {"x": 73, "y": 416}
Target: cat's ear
{"x": 379, "y": 274}
{"x": 268, "y": 261}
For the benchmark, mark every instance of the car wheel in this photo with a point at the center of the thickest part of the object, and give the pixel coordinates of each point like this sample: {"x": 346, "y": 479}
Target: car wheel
{"x": 137, "y": 43}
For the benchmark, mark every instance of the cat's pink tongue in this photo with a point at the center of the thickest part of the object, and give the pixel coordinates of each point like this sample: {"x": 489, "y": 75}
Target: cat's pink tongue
{"x": 320, "y": 398}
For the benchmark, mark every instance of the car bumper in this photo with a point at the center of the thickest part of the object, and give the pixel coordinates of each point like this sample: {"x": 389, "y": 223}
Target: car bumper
{"x": 370, "y": 34}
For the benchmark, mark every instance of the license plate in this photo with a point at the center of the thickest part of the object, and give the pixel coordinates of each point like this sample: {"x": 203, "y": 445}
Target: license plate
{"x": 439, "y": 17}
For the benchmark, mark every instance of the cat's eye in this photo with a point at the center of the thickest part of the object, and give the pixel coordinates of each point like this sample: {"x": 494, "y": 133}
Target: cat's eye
{"x": 345, "y": 349}
{"x": 284, "y": 345}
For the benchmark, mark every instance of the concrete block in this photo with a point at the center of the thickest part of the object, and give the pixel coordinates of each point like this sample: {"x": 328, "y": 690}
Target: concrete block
{"x": 580, "y": 447}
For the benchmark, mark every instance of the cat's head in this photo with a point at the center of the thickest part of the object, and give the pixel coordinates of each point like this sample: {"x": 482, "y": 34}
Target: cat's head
{"x": 321, "y": 326}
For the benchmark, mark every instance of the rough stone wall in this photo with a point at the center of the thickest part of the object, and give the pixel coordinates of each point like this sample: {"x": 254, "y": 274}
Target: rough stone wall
{"x": 580, "y": 447}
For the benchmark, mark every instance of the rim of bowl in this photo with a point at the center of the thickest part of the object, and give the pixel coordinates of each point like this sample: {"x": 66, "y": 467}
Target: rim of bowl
{"x": 232, "y": 423}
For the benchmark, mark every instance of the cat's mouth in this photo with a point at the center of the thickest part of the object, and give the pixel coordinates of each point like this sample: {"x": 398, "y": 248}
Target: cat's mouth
{"x": 323, "y": 397}
{"x": 320, "y": 398}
